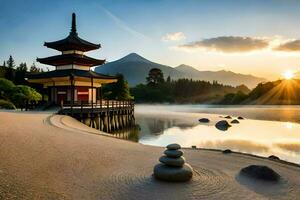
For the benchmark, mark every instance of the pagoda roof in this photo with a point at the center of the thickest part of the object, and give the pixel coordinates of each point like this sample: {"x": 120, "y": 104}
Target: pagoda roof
{"x": 66, "y": 59}
{"x": 69, "y": 72}
{"x": 72, "y": 41}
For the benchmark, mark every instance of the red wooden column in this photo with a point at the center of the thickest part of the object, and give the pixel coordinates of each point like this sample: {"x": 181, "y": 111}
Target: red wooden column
{"x": 72, "y": 92}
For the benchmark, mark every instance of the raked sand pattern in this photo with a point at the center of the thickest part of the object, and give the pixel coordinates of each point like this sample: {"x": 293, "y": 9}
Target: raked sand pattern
{"x": 46, "y": 156}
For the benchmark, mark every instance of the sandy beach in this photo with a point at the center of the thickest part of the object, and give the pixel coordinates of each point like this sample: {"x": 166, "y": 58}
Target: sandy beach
{"x": 46, "y": 156}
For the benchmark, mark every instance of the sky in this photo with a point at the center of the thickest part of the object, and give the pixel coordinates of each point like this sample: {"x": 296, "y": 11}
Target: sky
{"x": 255, "y": 37}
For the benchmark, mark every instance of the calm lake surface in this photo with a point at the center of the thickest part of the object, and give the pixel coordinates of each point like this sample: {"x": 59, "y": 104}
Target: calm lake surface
{"x": 266, "y": 130}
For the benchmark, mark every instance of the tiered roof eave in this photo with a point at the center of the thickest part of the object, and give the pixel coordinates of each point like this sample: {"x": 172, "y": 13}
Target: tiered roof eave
{"x": 67, "y": 59}
{"x": 72, "y": 42}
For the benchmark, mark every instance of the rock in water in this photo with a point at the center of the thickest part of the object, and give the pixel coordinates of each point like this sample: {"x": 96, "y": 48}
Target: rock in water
{"x": 173, "y": 153}
{"x": 260, "y": 172}
{"x": 204, "y": 120}
{"x": 222, "y": 125}
{"x": 173, "y": 174}
{"x": 235, "y": 121}
{"x": 173, "y": 146}
{"x": 174, "y": 162}
{"x": 172, "y": 167}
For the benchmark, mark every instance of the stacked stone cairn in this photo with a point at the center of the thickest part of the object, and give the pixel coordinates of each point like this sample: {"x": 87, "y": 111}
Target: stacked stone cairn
{"x": 173, "y": 167}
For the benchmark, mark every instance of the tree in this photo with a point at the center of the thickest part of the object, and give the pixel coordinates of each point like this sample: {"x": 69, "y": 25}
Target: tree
{"x": 155, "y": 76}
{"x": 4, "y": 64}
{"x": 33, "y": 68}
{"x": 168, "y": 79}
{"x": 20, "y": 74}
{"x": 10, "y": 74}
{"x": 119, "y": 90}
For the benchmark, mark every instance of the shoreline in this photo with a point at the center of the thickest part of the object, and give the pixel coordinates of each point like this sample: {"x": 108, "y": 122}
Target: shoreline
{"x": 39, "y": 159}
{"x": 70, "y": 122}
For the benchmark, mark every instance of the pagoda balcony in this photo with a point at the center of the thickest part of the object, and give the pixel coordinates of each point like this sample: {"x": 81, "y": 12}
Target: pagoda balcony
{"x": 105, "y": 115}
{"x": 69, "y": 107}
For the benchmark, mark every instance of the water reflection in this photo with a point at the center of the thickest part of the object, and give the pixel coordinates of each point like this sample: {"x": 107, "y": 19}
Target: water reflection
{"x": 129, "y": 133}
{"x": 241, "y": 145}
{"x": 162, "y": 126}
{"x": 293, "y": 147}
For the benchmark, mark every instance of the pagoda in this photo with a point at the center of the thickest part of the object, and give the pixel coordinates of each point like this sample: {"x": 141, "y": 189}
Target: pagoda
{"x": 72, "y": 80}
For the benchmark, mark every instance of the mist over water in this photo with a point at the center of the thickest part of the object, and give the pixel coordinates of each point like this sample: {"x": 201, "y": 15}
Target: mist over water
{"x": 265, "y": 131}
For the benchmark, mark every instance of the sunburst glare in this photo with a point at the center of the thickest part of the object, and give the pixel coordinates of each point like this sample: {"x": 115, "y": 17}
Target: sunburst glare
{"x": 288, "y": 75}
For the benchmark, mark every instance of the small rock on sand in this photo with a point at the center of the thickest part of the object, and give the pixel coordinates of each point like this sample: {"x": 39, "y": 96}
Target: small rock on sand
{"x": 226, "y": 151}
{"x": 173, "y": 174}
{"x": 173, "y": 146}
{"x": 240, "y": 117}
{"x": 173, "y": 167}
{"x": 228, "y": 117}
{"x": 174, "y": 162}
{"x": 173, "y": 153}
{"x": 204, "y": 120}
{"x": 260, "y": 172}
{"x": 272, "y": 157}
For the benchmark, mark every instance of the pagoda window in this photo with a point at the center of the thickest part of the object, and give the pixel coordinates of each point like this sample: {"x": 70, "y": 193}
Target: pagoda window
{"x": 73, "y": 52}
{"x": 72, "y": 66}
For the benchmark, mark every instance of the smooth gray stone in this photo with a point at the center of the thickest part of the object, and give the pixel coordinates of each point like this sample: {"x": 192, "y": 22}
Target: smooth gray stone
{"x": 222, "y": 125}
{"x": 260, "y": 172}
{"x": 173, "y": 162}
{"x": 173, "y": 146}
{"x": 235, "y": 121}
{"x": 173, "y": 153}
{"x": 173, "y": 174}
{"x": 204, "y": 120}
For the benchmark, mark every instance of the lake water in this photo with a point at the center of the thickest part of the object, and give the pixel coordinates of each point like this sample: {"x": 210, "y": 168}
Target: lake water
{"x": 265, "y": 131}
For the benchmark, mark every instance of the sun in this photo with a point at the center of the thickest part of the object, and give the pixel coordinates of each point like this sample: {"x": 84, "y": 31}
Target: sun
{"x": 288, "y": 75}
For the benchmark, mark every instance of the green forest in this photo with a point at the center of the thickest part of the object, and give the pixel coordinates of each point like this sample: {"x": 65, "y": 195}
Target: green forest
{"x": 159, "y": 90}
{"x": 15, "y": 91}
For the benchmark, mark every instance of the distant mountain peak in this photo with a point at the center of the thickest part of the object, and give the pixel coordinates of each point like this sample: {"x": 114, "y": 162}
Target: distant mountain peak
{"x": 134, "y": 57}
{"x": 186, "y": 69}
{"x": 184, "y": 65}
{"x": 135, "y": 69}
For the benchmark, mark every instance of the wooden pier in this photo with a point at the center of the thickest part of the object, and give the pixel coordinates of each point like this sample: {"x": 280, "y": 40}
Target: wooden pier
{"x": 105, "y": 115}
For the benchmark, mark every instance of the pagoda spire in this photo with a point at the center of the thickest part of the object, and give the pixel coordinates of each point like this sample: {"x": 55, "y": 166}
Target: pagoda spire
{"x": 73, "y": 28}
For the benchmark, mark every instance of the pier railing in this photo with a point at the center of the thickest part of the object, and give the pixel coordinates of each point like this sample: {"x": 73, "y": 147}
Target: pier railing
{"x": 95, "y": 106}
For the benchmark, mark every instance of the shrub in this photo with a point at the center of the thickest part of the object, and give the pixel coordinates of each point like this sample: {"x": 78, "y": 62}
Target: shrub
{"x": 6, "y": 105}
{"x": 6, "y": 87}
{"x": 23, "y": 93}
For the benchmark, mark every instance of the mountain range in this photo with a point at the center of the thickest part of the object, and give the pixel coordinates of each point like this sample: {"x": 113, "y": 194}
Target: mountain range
{"x": 135, "y": 69}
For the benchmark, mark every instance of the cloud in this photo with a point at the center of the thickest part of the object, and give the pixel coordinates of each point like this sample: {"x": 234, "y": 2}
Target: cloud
{"x": 293, "y": 45}
{"x": 173, "y": 36}
{"x": 227, "y": 44}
